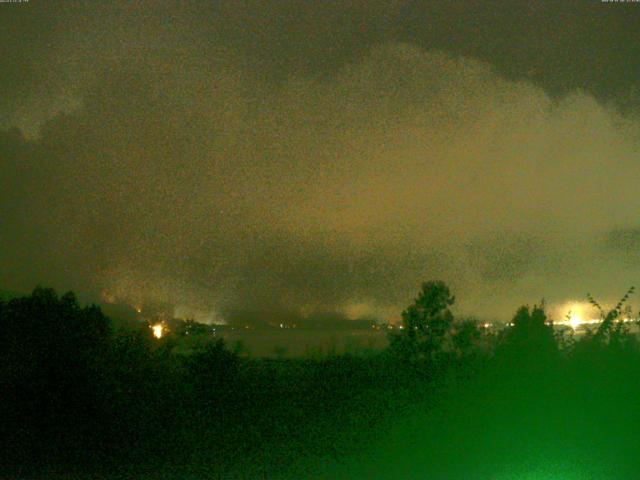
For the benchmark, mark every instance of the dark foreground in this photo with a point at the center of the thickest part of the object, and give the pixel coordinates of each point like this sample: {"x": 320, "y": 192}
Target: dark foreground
{"x": 81, "y": 400}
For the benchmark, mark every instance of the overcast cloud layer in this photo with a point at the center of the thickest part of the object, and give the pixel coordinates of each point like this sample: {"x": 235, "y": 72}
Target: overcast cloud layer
{"x": 140, "y": 163}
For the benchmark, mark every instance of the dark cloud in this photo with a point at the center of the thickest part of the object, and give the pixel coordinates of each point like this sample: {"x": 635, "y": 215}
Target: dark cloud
{"x": 624, "y": 243}
{"x": 301, "y": 160}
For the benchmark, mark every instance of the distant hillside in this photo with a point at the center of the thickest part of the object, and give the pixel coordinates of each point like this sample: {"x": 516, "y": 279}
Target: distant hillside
{"x": 8, "y": 294}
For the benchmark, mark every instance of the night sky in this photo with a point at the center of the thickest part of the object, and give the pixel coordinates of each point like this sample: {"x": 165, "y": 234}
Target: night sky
{"x": 309, "y": 157}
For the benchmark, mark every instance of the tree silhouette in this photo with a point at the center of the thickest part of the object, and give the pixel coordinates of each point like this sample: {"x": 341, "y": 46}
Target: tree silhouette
{"x": 612, "y": 327}
{"x": 466, "y": 337}
{"x": 425, "y": 323}
{"x": 51, "y": 353}
{"x": 530, "y": 337}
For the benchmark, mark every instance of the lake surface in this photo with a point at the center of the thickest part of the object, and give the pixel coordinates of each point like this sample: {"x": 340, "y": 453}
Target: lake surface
{"x": 298, "y": 342}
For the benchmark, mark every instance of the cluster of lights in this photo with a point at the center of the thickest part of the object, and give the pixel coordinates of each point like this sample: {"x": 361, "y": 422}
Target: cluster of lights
{"x": 575, "y": 321}
{"x": 279, "y": 325}
{"x": 158, "y": 330}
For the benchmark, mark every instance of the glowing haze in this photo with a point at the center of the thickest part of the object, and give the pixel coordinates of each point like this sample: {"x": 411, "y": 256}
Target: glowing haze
{"x": 192, "y": 157}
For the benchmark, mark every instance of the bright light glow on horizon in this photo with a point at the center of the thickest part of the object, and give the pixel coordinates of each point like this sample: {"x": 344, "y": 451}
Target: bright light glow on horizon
{"x": 157, "y": 330}
{"x": 574, "y": 314}
{"x": 201, "y": 315}
{"x": 575, "y": 320}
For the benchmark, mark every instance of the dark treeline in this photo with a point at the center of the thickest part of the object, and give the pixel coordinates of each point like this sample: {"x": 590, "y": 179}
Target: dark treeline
{"x": 448, "y": 399}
